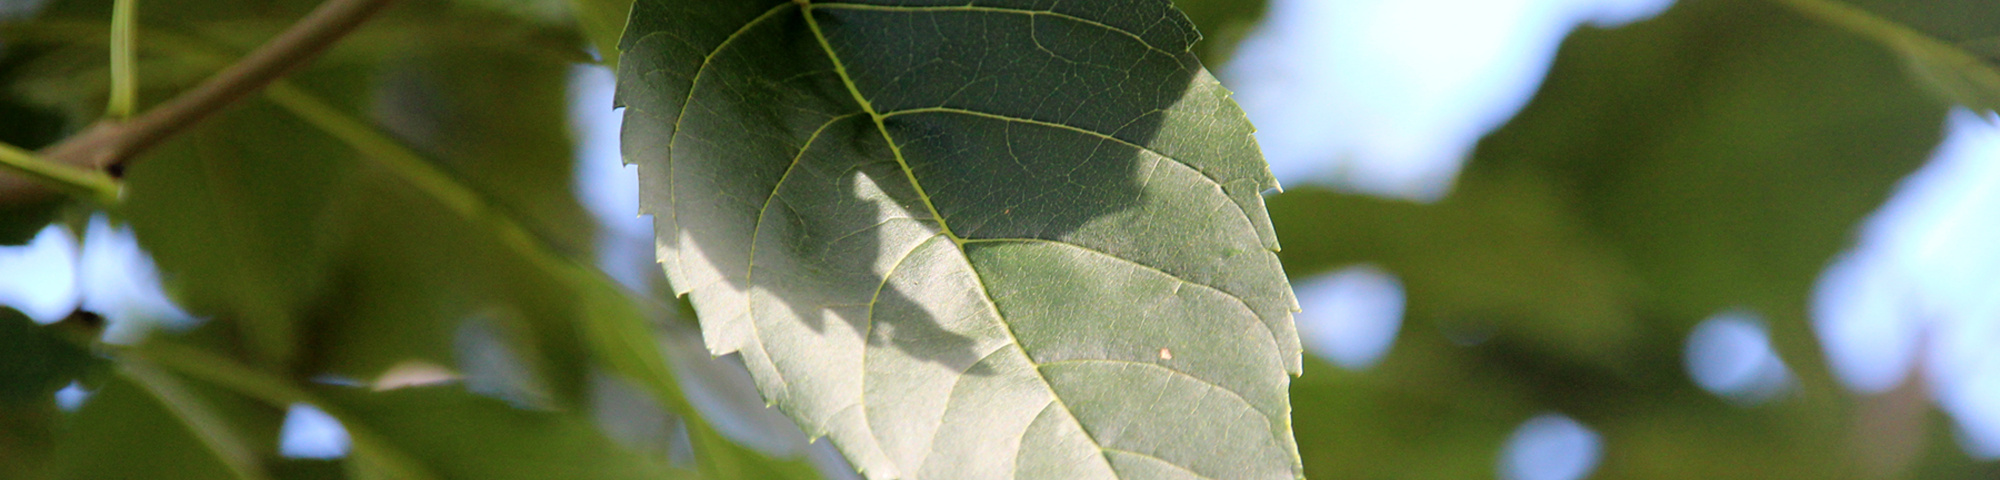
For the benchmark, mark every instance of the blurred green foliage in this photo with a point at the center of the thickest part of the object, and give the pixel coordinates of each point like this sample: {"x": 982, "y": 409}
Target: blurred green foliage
{"x": 35, "y": 361}
{"x": 1949, "y": 44}
{"x": 316, "y": 259}
{"x": 25, "y": 126}
{"x": 1714, "y": 158}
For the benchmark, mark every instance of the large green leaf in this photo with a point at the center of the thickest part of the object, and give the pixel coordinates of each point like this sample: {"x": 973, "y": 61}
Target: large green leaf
{"x": 987, "y": 240}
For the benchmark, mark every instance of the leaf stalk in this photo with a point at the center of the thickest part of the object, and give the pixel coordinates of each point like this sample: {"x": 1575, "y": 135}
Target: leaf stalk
{"x": 92, "y": 186}
{"x": 124, "y": 73}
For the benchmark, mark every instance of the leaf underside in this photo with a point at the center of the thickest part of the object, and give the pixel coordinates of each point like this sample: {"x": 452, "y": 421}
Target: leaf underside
{"x": 983, "y": 239}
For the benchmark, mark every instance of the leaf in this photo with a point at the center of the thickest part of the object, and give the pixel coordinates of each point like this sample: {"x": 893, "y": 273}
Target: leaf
{"x": 971, "y": 241}
{"x": 1969, "y": 77}
{"x": 237, "y": 235}
{"x": 602, "y": 21}
{"x": 370, "y": 450}
{"x": 442, "y": 431}
{"x": 19, "y": 223}
{"x": 460, "y": 435}
{"x": 157, "y": 426}
{"x": 35, "y": 361}
{"x": 1501, "y": 254}
{"x": 1223, "y": 24}
{"x": 618, "y": 336}
{"x": 1716, "y": 157}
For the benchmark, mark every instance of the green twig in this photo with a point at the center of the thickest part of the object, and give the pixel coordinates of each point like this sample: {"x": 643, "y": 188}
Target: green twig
{"x": 124, "y": 73}
{"x": 92, "y": 186}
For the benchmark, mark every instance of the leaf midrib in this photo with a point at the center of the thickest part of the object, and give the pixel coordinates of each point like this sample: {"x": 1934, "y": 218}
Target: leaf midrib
{"x": 879, "y": 117}
{"x": 840, "y": 69}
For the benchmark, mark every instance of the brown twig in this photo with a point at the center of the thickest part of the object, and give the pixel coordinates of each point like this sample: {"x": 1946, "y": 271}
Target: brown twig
{"x": 110, "y": 145}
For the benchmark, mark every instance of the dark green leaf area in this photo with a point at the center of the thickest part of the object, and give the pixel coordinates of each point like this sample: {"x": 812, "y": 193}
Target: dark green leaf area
{"x": 997, "y": 239}
{"x": 124, "y": 422}
{"x": 35, "y": 360}
{"x": 19, "y": 223}
{"x": 236, "y": 234}
{"x": 29, "y": 128}
{"x": 145, "y": 423}
{"x": 327, "y": 260}
{"x": 459, "y": 435}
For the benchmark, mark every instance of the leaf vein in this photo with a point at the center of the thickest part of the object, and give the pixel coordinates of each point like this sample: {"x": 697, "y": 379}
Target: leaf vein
{"x": 1176, "y": 466}
{"x": 848, "y": 81}
{"x": 1232, "y": 393}
{"x": 750, "y": 262}
{"x": 962, "y": 111}
{"x": 694, "y": 84}
{"x": 1239, "y": 300}
{"x": 1015, "y": 11}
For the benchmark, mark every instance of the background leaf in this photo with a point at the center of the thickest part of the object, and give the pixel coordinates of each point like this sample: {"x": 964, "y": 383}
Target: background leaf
{"x": 35, "y": 361}
{"x": 155, "y": 424}
{"x": 1714, "y": 158}
{"x": 25, "y": 126}
{"x": 315, "y": 256}
{"x": 439, "y": 424}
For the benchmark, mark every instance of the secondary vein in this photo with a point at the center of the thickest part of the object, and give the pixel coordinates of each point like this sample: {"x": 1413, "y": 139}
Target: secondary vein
{"x": 866, "y": 106}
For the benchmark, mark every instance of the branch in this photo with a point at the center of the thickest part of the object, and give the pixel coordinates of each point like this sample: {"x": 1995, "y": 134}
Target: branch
{"x": 111, "y": 145}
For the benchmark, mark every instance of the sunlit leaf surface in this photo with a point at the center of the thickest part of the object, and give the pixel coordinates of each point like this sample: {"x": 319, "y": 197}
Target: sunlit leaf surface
{"x": 1003, "y": 239}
